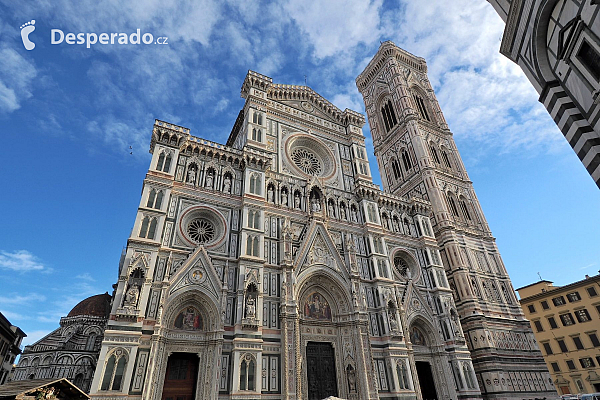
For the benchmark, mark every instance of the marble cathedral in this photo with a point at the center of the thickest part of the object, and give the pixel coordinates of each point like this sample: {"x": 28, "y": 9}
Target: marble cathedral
{"x": 272, "y": 267}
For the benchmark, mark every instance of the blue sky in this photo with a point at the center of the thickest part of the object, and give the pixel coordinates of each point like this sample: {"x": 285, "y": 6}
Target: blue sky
{"x": 69, "y": 114}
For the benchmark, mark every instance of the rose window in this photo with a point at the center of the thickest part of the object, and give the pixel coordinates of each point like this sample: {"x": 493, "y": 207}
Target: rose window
{"x": 401, "y": 265}
{"x": 307, "y": 161}
{"x": 201, "y": 230}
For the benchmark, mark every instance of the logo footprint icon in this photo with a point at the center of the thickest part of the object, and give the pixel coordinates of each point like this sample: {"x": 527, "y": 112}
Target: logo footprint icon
{"x": 26, "y": 29}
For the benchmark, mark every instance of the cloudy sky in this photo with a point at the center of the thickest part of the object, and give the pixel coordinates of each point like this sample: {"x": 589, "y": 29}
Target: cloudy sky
{"x": 76, "y": 125}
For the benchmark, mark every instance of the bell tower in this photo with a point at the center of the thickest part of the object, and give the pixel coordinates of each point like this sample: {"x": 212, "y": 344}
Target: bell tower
{"x": 417, "y": 157}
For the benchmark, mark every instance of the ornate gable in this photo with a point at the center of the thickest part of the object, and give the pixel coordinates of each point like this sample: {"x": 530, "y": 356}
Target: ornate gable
{"x": 319, "y": 250}
{"x": 196, "y": 271}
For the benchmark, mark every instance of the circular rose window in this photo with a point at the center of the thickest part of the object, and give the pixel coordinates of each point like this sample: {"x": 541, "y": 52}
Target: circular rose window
{"x": 307, "y": 161}
{"x": 310, "y": 156}
{"x": 200, "y": 225}
{"x": 201, "y": 230}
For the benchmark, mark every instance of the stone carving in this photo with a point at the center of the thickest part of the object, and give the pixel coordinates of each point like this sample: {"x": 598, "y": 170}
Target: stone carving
{"x": 131, "y": 297}
{"x": 209, "y": 179}
{"x": 227, "y": 184}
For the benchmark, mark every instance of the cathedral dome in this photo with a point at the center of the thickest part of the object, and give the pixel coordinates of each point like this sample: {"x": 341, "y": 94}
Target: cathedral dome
{"x": 97, "y": 306}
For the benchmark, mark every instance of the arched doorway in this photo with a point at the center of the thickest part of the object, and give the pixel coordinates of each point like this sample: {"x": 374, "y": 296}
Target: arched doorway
{"x": 320, "y": 365}
{"x": 424, "y": 360}
{"x": 181, "y": 377}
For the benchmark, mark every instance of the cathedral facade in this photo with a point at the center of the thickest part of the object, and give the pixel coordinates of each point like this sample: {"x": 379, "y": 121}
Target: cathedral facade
{"x": 272, "y": 267}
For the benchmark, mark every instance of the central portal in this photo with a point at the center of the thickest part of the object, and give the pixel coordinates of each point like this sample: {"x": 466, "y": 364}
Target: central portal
{"x": 426, "y": 380}
{"x": 181, "y": 377}
{"x": 320, "y": 362}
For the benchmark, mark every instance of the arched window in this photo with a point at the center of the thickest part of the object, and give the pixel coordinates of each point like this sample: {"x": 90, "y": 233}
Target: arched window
{"x": 114, "y": 370}
{"x": 446, "y": 159}
{"x": 453, "y": 208}
{"x": 255, "y": 117}
{"x": 445, "y": 330}
{"x": 247, "y": 373}
{"x": 468, "y": 376}
{"x": 255, "y": 247}
{"x": 434, "y": 153}
{"x": 161, "y": 161}
{"x": 144, "y": 228}
{"x": 152, "y": 229}
{"x": 465, "y": 209}
{"x": 396, "y": 170}
{"x": 260, "y": 119}
{"x": 91, "y": 342}
{"x": 151, "y": 198}
{"x": 421, "y": 107}
{"x": 406, "y": 160}
{"x": 167, "y": 166}
{"x": 254, "y": 219}
{"x": 402, "y": 375}
{"x": 159, "y": 199}
{"x": 255, "y": 184}
{"x": 389, "y": 116}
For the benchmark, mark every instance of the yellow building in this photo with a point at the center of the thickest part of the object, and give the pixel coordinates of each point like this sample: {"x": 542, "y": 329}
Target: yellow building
{"x": 566, "y": 321}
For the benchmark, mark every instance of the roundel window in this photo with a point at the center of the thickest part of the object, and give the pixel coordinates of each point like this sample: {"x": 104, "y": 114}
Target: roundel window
{"x": 201, "y": 230}
{"x": 202, "y": 226}
{"x": 310, "y": 156}
{"x": 401, "y": 265}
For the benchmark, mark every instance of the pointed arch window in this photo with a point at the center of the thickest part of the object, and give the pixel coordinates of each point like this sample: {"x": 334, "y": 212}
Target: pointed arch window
{"x": 465, "y": 209}
{"x": 468, "y": 376}
{"x": 402, "y": 372}
{"x": 114, "y": 370}
{"x": 247, "y": 373}
{"x": 422, "y": 107}
{"x": 396, "y": 169}
{"x": 446, "y": 159}
{"x": 406, "y": 160}
{"x": 434, "y": 154}
{"x": 453, "y": 207}
{"x": 255, "y": 184}
{"x": 254, "y": 219}
{"x": 148, "y": 228}
{"x": 161, "y": 161}
{"x": 155, "y": 199}
{"x": 389, "y": 116}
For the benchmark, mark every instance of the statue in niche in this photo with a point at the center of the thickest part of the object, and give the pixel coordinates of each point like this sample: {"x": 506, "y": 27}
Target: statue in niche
{"x": 331, "y": 210}
{"x": 209, "y": 179}
{"x": 227, "y": 184}
{"x": 354, "y": 215}
{"x": 131, "y": 296}
{"x": 315, "y": 204}
{"x": 250, "y": 307}
{"x": 393, "y": 320}
{"x": 284, "y": 199}
{"x": 192, "y": 175}
{"x": 297, "y": 200}
{"x": 270, "y": 194}
{"x": 351, "y": 374}
{"x": 343, "y": 213}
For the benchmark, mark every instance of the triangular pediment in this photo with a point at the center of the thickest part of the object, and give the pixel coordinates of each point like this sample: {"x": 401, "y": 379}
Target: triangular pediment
{"x": 319, "y": 250}
{"x": 415, "y": 302}
{"x": 198, "y": 272}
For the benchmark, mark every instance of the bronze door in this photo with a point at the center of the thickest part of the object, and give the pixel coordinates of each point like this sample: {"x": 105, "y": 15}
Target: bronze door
{"x": 320, "y": 363}
{"x": 181, "y": 377}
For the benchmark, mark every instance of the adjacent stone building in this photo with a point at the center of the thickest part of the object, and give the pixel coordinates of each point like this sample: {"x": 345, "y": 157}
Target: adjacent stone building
{"x": 565, "y": 321}
{"x": 71, "y": 351}
{"x": 557, "y": 44}
{"x": 272, "y": 267}
{"x": 10, "y": 346}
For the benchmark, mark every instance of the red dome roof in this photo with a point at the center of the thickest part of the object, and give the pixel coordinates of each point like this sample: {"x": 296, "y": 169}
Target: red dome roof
{"x": 97, "y": 306}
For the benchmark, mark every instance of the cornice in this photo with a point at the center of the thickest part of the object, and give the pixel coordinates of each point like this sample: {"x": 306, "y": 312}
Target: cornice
{"x": 388, "y": 50}
{"x": 510, "y": 31}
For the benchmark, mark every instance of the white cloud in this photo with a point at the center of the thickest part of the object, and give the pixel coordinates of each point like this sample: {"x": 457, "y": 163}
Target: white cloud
{"x": 336, "y": 26}
{"x": 21, "y": 261}
{"x": 16, "y": 79}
